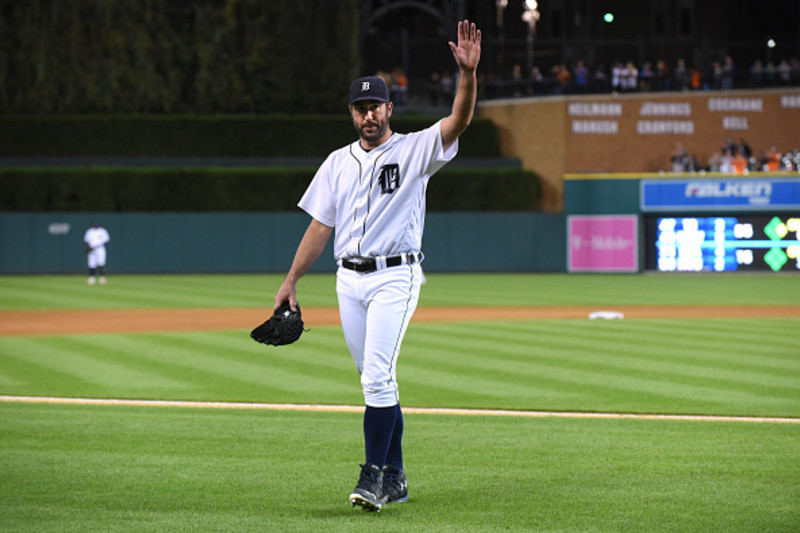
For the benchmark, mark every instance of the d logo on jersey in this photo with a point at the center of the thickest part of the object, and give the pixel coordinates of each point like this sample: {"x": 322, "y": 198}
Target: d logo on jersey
{"x": 389, "y": 178}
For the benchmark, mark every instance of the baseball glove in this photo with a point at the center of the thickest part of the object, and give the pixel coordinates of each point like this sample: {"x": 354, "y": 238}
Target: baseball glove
{"x": 283, "y": 327}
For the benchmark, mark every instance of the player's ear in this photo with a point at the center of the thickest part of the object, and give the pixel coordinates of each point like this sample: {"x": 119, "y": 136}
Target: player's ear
{"x": 389, "y": 107}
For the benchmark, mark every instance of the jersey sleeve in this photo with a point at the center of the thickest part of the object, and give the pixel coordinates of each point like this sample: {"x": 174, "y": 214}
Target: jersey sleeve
{"x": 434, "y": 154}
{"x": 318, "y": 200}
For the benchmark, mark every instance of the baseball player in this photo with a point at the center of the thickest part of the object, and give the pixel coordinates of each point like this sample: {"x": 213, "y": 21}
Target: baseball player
{"x": 96, "y": 238}
{"x": 373, "y": 192}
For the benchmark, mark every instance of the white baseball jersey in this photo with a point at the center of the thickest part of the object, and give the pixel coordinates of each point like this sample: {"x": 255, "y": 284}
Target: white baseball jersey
{"x": 96, "y": 237}
{"x": 376, "y": 199}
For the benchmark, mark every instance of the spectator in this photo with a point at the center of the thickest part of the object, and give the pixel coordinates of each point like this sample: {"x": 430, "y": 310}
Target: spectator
{"x": 581, "y": 76}
{"x": 662, "y": 76}
{"x": 794, "y": 65}
{"x": 537, "y": 80}
{"x": 716, "y": 75}
{"x": 696, "y": 79}
{"x": 729, "y": 147}
{"x": 681, "y": 76}
{"x": 769, "y": 74}
{"x": 745, "y": 148}
{"x": 646, "y": 75}
{"x": 680, "y": 159}
{"x": 784, "y": 72}
{"x": 600, "y": 79}
{"x": 739, "y": 165}
{"x": 772, "y": 160}
{"x": 562, "y": 77}
{"x": 714, "y": 162}
{"x": 727, "y": 73}
{"x": 616, "y": 77}
{"x": 726, "y": 162}
{"x": 434, "y": 88}
{"x": 447, "y": 85}
{"x": 517, "y": 83}
{"x": 399, "y": 85}
{"x": 757, "y": 74}
{"x": 630, "y": 77}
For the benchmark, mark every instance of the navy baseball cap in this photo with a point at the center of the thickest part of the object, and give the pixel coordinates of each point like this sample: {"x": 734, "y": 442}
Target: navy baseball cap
{"x": 368, "y": 88}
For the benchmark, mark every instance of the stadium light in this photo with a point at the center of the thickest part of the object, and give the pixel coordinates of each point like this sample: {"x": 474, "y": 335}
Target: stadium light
{"x": 530, "y": 15}
{"x": 608, "y": 17}
{"x": 771, "y": 43}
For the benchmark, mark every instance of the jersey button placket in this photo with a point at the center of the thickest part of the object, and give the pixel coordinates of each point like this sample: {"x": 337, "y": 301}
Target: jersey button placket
{"x": 362, "y": 206}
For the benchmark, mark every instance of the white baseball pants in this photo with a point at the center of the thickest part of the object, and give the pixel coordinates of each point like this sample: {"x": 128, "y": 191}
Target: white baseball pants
{"x": 97, "y": 257}
{"x": 375, "y": 309}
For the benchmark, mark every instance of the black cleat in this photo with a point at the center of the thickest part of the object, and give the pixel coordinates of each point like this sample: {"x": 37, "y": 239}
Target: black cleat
{"x": 367, "y": 493}
{"x": 395, "y": 485}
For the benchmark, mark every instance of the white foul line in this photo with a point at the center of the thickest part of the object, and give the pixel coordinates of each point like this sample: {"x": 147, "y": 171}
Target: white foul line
{"x": 411, "y": 410}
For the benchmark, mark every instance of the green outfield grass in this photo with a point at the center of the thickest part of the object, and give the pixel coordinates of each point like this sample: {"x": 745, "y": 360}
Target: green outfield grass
{"x": 176, "y": 291}
{"x": 105, "y": 469}
{"x": 123, "y": 468}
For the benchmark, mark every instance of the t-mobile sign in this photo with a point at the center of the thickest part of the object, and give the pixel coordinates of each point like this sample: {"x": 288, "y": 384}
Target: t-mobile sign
{"x": 603, "y": 243}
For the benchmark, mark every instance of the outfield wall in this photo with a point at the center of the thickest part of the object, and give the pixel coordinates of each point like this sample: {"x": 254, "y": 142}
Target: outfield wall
{"x": 52, "y": 243}
{"x": 638, "y": 132}
{"x": 722, "y": 222}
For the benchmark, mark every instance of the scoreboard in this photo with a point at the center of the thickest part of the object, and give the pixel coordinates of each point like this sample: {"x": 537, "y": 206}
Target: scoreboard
{"x": 722, "y": 243}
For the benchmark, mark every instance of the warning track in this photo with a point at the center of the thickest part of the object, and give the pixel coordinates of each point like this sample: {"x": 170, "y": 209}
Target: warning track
{"x": 409, "y": 410}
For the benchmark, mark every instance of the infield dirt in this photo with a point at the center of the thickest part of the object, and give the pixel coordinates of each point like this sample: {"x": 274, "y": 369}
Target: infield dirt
{"x": 145, "y": 320}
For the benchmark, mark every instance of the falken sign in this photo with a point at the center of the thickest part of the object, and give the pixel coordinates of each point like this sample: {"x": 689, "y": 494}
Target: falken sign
{"x": 720, "y": 194}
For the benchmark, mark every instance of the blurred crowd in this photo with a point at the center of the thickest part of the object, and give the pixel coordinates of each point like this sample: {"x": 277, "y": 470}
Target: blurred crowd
{"x": 736, "y": 158}
{"x": 626, "y": 76}
{"x": 620, "y": 77}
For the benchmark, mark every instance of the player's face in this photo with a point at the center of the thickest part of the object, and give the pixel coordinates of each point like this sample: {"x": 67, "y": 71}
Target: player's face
{"x": 371, "y": 120}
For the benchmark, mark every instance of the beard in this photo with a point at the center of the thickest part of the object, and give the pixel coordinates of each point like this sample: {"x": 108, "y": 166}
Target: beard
{"x": 378, "y": 131}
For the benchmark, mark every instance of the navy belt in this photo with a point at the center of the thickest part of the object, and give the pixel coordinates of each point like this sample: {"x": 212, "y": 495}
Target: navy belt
{"x": 369, "y": 264}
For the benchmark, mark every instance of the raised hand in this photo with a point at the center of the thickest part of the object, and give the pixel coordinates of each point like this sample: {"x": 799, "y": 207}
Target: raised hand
{"x": 467, "y": 52}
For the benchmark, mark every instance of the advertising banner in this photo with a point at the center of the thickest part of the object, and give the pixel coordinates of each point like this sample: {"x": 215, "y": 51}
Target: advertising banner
{"x": 720, "y": 194}
{"x": 603, "y": 243}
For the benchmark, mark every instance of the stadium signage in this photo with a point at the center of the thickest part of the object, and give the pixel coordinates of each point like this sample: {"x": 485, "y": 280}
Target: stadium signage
{"x": 595, "y": 109}
{"x": 736, "y": 104}
{"x": 603, "y": 243}
{"x": 715, "y": 194}
{"x": 790, "y": 100}
{"x": 665, "y": 127}
{"x": 666, "y": 109}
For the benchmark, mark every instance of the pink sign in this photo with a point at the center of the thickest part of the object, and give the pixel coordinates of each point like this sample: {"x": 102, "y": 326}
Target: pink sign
{"x": 603, "y": 243}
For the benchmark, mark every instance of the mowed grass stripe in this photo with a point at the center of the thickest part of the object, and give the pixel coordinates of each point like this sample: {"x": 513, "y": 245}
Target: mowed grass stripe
{"x": 769, "y": 341}
{"x": 105, "y": 468}
{"x": 581, "y": 387}
{"x": 594, "y": 345}
{"x": 568, "y": 361}
{"x": 610, "y": 290}
{"x": 248, "y": 290}
{"x": 157, "y": 291}
{"x": 78, "y": 357}
{"x": 238, "y": 362}
{"x": 441, "y": 363}
{"x": 185, "y": 365}
{"x": 633, "y": 346}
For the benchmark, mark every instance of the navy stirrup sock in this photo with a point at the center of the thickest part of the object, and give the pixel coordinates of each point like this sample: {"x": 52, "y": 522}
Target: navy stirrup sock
{"x": 379, "y": 424}
{"x": 395, "y": 455}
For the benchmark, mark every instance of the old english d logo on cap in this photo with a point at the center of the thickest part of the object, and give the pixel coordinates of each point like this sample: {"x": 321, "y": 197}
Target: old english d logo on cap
{"x": 369, "y": 88}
